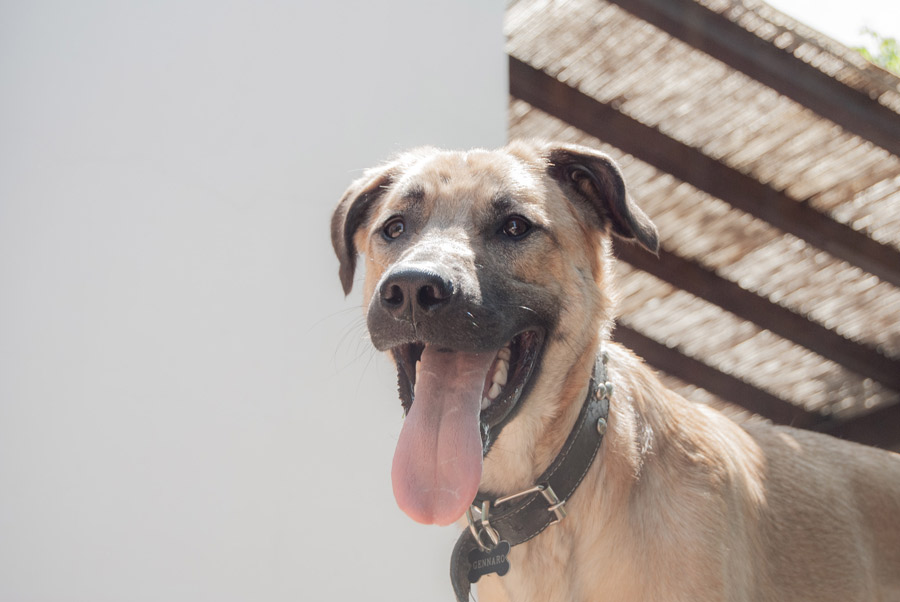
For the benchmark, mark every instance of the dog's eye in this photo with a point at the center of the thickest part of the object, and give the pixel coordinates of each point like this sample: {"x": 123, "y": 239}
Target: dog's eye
{"x": 393, "y": 228}
{"x": 516, "y": 227}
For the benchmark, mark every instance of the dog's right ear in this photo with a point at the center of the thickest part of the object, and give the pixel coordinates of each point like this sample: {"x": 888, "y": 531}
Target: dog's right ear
{"x": 352, "y": 212}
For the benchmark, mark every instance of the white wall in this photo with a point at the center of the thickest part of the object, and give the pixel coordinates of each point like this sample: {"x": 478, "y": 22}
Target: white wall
{"x": 189, "y": 409}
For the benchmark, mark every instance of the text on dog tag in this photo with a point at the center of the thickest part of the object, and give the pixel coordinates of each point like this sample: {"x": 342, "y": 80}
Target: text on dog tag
{"x": 493, "y": 561}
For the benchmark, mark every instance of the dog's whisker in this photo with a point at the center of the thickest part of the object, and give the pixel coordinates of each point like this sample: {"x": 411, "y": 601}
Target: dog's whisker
{"x": 517, "y": 306}
{"x": 355, "y": 329}
{"x": 365, "y": 368}
{"x": 565, "y": 340}
{"x": 332, "y": 315}
{"x": 362, "y": 347}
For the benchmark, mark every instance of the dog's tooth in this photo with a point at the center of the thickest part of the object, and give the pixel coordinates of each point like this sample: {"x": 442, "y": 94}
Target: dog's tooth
{"x": 417, "y": 368}
{"x": 494, "y": 392}
{"x": 485, "y": 403}
{"x": 501, "y": 372}
{"x": 504, "y": 354}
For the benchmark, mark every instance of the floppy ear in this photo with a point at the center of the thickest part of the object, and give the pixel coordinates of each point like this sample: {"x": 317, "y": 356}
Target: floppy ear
{"x": 352, "y": 212}
{"x": 589, "y": 176}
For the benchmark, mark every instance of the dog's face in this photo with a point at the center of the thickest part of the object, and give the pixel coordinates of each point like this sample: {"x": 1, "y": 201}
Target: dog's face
{"x": 482, "y": 283}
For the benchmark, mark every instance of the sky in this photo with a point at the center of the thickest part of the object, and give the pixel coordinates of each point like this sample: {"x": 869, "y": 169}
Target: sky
{"x": 844, "y": 20}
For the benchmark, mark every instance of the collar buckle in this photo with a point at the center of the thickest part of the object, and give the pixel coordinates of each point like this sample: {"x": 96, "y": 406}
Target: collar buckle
{"x": 482, "y": 524}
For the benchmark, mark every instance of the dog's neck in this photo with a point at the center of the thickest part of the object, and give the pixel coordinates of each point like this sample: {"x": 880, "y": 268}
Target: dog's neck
{"x": 528, "y": 445}
{"x": 601, "y": 501}
{"x": 518, "y": 518}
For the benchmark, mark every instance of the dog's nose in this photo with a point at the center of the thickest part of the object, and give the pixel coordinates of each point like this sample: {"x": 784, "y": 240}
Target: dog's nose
{"x": 411, "y": 291}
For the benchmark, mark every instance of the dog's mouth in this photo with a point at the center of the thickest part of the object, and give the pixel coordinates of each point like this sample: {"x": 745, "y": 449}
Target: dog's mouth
{"x": 507, "y": 376}
{"x": 454, "y": 400}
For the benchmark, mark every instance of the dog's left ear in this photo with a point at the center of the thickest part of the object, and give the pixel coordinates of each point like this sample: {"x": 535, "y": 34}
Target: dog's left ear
{"x": 352, "y": 212}
{"x": 589, "y": 176}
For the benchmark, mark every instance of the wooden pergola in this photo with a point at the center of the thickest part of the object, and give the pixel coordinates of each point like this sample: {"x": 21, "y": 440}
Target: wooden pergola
{"x": 694, "y": 99}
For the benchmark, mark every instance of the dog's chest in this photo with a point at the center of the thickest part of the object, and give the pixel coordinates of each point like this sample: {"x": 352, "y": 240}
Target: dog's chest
{"x": 563, "y": 566}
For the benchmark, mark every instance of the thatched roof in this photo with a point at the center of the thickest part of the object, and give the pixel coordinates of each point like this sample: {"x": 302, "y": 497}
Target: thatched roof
{"x": 769, "y": 157}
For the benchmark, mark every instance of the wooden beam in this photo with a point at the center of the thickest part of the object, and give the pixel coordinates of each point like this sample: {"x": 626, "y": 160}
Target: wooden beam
{"x": 778, "y": 69}
{"x": 726, "y": 386}
{"x": 880, "y": 428}
{"x": 705, "y": 283}
{"x": 690, "y": 165}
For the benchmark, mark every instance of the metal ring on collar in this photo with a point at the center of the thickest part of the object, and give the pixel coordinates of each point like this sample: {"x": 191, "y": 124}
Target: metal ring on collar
{"x": 482, "y": 525}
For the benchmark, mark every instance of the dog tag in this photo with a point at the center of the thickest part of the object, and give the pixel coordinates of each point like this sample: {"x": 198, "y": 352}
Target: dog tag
{"x": 493, "y": 561}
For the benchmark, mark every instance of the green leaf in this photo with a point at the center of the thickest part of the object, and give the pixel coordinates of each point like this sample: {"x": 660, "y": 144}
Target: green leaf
{"x": 887, "y": 51}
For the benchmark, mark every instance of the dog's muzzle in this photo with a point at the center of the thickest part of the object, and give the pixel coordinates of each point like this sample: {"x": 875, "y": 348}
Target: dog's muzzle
{"x": 463, "y": 360}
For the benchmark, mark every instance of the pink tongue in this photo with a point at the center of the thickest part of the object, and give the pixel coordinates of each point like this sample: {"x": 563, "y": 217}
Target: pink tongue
{"x": 437, "y": 463}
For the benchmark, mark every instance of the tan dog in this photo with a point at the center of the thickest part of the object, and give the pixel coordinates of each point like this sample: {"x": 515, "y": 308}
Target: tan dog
{"x": 487, "y": 281}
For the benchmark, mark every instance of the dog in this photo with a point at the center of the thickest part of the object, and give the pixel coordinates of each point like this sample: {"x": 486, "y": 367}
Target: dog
{"x": 487, "y": 281}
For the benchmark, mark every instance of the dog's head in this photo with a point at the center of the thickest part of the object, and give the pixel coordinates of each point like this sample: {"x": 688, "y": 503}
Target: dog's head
{"x": 480, "y": 266}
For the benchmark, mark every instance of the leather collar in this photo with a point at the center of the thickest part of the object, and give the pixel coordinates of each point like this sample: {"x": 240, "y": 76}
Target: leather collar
{"x": 511, "y": 520}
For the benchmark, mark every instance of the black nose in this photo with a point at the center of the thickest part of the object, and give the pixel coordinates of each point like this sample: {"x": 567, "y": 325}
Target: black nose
{"x": 414, "y": 291}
